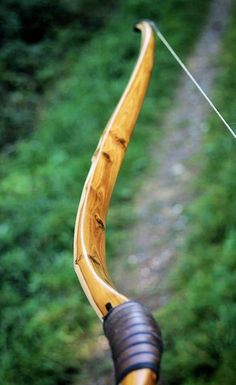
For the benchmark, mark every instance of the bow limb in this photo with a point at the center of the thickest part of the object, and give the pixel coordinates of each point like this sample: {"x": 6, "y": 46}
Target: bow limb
{"x": 89, "y": 238}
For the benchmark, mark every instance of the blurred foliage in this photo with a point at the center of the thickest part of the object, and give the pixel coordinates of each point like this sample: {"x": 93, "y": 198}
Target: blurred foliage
{"x": 60, "y": 83}
{"x": 33, "y": 36}
{"x": 199, "y": 323}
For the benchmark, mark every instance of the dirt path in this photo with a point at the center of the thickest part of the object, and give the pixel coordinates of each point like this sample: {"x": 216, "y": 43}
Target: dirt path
{"x": 161, "y": 223}
{"x": 159, "y": 206}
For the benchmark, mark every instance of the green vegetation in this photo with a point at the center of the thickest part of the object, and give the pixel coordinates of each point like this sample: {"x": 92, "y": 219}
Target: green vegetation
{"x": 60, "y": 82}
{"x": 31, "y": 31}
{"x": 199, "y": 323}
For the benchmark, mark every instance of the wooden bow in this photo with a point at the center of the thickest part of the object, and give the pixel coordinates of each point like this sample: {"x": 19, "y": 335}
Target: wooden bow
{"x": 89, "y": 237}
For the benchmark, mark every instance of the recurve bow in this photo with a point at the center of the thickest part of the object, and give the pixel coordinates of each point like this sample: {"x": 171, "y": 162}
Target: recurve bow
{"x": 133, "y": 334}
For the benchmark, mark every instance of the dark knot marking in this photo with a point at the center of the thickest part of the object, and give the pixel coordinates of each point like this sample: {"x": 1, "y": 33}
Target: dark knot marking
{"x": 107, "y": 156}
{"x": 99, "y": 221}
{"x": 95, "y": 259}
{"x": 78, "y": 259}
{"x": 121, "y": 141}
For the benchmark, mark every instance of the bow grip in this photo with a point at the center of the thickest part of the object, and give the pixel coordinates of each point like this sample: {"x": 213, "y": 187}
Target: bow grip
{"x": 134, "y": 338}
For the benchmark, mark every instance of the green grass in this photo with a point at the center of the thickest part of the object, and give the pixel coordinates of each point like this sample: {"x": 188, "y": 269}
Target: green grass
{"x": 199, "y": 322}
{"x": 46, "y": 320}
{"x": 34, "y": 34}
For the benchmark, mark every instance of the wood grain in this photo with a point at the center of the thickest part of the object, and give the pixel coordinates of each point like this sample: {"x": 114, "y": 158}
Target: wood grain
{"x": 140, "y": 377}
{"x": 90, "y": 227}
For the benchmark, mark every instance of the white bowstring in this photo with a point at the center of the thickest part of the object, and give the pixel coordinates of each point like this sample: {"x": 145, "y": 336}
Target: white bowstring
{"x": 165, "y": 42}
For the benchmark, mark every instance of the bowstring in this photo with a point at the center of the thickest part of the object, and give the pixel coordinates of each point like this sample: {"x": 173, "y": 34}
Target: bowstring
{"x": 177, "y": 58}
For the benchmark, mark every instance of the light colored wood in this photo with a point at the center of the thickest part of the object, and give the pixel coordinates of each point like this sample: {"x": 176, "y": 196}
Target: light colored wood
{"x": 140, "y": 377}
{"x": 89, "y": 237}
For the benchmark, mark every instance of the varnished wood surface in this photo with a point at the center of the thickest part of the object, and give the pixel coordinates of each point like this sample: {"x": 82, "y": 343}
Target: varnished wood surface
{"x": 140, "y": 377}
{"x": 89, "y": 237}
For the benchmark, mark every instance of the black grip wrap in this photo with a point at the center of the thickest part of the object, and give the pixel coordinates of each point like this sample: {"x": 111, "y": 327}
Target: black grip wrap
{"x": 134, "y": 338}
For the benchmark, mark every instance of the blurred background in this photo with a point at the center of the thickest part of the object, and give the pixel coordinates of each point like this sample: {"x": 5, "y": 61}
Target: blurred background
{"x": 172, "y": 222}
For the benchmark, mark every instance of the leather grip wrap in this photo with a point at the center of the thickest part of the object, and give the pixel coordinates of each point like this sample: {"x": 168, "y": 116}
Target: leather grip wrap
{"x": 134, "y": 338}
